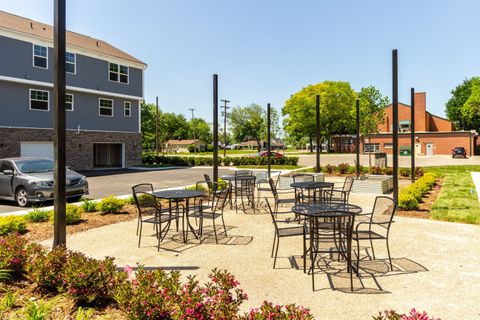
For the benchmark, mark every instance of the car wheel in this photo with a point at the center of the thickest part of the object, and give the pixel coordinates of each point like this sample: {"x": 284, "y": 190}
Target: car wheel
{"x": 21, "y": 197}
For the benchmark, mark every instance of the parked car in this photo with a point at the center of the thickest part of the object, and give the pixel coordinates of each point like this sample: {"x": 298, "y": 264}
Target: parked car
{"x": 459, "y": 151}
{"x": 30, "y": 180}
{"x": 272, "y": 154}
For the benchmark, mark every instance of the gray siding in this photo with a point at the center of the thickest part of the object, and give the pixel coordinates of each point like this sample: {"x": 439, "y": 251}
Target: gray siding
{"x": 16, "y": 60}
{"x": 15, "y": 110}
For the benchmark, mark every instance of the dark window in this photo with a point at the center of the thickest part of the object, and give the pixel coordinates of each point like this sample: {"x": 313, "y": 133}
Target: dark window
{"x": 105, "y": 107}
{"x": 6, "y": 166}
{"x": 127, "y": 109}
{"x": 40, "y": 56}
{"x": 118, "y": 73}
{"x": 70, "y": 59}
{"x": 69, "y": 102}
{"x": 39, "y": 100}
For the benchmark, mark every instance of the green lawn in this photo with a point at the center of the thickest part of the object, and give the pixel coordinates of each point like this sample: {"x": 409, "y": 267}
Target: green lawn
{"x": 458, "y": 201}
{"x": 220, "y": 153}
{"x": 274, "y": 166}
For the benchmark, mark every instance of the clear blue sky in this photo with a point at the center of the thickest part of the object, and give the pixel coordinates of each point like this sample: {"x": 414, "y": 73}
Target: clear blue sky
{"x": 265, "y": 50}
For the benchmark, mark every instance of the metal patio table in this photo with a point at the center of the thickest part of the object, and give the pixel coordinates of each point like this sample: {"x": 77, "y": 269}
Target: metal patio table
{"x": 309, "y": 186}
{"x": 178, "y": 195}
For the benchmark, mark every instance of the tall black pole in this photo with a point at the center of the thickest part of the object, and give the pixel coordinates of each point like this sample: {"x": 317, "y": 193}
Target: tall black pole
{"x": 357, "y": 140}
{"x": 156, "y": 127}
{"x": 395, "y": 122}
{"x": 269, "y": 145}
{"x": 59, "y": 88}
{"x": 215, "y": 127}
{"x": 225, "y": 114}
{"x": 412, "y": 133}
{"x": 317, "y": 133}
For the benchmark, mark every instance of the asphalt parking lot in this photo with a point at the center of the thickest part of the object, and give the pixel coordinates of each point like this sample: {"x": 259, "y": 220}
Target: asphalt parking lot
{"x": 120, "y": 182}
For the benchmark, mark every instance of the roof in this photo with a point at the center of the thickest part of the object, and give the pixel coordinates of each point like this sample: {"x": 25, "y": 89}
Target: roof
{"x": 184, "y": 142}
{"x": 45, "y": 31}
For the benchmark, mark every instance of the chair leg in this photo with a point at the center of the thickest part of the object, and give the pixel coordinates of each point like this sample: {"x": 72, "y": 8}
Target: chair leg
{"x": 276, "y": 253}
{"x": 389, "y": 257}
{"x": 373, "y": 251}
{"x": 349, "y": 258}
{"x": 140, "y": 234}
{"x": 304, "y": 254}
{"x": 273, "y": 246}
{"x": 215, "y": 230}
{"x": 138, "y": 224}
{"x": 224, "y": 227}
{"x": 358, "y": 257}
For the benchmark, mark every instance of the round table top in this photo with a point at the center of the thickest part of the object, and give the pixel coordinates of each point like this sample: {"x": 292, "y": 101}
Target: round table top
{"x": 231, "y": 177}
{"x": 325, "y": 209}
{"x": 311, "y": 185}
{"x": 179, "y": 194}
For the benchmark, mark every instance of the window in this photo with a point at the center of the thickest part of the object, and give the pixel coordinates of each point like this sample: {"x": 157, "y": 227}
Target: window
{"x": 69, "y": 102}
{"x": 39, "y": 100}
{"x": 371, "y": 147}
{"x": 127, "y": 109}
{"x": 70, "y": 59}
{"x": 105, "y": 107}
{"x": 6, "y": 166}
{"x": 404, "y": 126}
{"x": 346, "y": 142}
{"x": 388, "y": 145}
{"x": 118, "y": 73}
{"x": 40, "y": 56}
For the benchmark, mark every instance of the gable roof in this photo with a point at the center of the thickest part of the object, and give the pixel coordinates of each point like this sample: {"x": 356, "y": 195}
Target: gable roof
{"x": 37, "y": 29}
{"x": 184, "y": 142}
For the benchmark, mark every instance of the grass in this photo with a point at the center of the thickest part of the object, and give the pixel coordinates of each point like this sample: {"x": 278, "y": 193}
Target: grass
{"x": 274, "y": 166}
{"x": 210, "y": 153}
{"x": 458, "y": 201}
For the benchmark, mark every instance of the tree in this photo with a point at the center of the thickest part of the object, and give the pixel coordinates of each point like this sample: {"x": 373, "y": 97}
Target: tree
{"x": 471, "y": 108}
{"x": 148, "y": 114}
{"x": 201, "y": 129}
{"x": 337, "y": 110}
{"x": 372, "y": 112}
{"x": 454, "y": 108}
{"x": 250, "y": 123}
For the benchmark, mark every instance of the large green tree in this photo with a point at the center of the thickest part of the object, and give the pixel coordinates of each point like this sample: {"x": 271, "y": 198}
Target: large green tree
{"x": 250, "y": 123}
{"x": 337, "y": 110}
{"x": 471, "y": 108}
{"x": 456, "y": 110}
{"x": 200, "y": 129}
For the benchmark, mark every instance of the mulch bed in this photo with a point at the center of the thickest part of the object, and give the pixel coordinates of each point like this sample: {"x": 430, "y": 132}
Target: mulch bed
{"x": 425, "y": 206}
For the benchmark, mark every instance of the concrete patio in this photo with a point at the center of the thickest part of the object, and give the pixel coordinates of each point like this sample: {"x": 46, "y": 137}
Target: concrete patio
{"x": 435, "y": 265}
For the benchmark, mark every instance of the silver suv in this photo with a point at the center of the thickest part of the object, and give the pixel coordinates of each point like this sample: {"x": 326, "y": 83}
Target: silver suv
{"x": 30, "y": 180}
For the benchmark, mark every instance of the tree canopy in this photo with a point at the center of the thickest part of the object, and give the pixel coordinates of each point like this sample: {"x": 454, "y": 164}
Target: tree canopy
{"x": 465, "y": 117}
{"x": 199, "y": 128}
{"x": 372, "y": 110}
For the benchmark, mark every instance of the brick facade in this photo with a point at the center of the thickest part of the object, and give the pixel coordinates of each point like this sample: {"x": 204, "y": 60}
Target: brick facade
{"x": 79, "y": 151}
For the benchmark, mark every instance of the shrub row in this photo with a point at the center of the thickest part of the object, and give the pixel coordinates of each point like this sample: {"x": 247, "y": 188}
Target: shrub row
{"x": 152, "y": 159}
{"x": 10, "y": 224}
{"x": 345, "y": 168}
{"x": 411, "y": 196}
{"x": 151, "y": 294}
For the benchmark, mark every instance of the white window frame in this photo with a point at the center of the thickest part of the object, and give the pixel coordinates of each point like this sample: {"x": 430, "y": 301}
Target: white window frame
{"x": 74, "y": 63}
{"x": 118, "y": 73}
{"x": 372, "y": 147}
{"x": 30, "y": 100}
{"x": 99, "y": 107}
{"x": 34, "y": 55}
{"x": 125, "y": 103}
{"x": 387, "y": 145}
{"x": 73, "y": 102}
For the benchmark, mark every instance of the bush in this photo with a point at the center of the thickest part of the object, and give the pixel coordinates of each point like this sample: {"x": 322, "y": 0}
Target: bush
{"x": 404, "y": 172}
{"x": 14, "y": 253}
{"x": 45, "y": 270}
{"x": 418, "y": 172}
{"x": 191, "y": 148}
{"x": 329, "y": 168}
{"x": 9, "y": 224}
{"x": 110, "y": 204}
{"x": 37, "y": 215}
{"x": 407, "y": 201}
{"x": 89, "y": 206}
{"x": 343, "y": 168}
{"x": 268, "y": 311}
{"x": 393, "y": 315}
{"x": 375, "y": 170}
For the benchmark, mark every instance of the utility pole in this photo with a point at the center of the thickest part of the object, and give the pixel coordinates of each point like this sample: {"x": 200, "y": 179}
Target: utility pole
{"x": 215, "y": 127}
{"x": 156, "y": 127}
{"x": 225, "y": 114}
{"x": 193, "y": 129}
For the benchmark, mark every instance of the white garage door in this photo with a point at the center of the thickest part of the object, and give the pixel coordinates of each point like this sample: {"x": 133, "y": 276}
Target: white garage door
{"x": 42, "y": 149}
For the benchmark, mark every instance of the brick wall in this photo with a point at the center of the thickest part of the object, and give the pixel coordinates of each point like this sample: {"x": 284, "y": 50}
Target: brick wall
{"x": 79, "y": 151}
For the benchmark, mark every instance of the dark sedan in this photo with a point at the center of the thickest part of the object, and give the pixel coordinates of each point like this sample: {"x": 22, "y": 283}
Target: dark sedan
{"x": 459, "y": 152}
{"x": 30, "y": 180}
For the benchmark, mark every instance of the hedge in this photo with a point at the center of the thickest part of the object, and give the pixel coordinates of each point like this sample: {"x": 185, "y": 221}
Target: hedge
{"x": 208, "y": 161}
{"x": 411, "y": 196}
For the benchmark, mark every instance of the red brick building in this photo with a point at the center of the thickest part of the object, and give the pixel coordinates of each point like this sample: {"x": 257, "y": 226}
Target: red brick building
{"x": 433, "y": 134}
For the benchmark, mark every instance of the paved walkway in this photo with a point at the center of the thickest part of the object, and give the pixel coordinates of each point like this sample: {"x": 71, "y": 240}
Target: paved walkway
{"x": 435, "y": 265}
{"x": 476, "y": 181}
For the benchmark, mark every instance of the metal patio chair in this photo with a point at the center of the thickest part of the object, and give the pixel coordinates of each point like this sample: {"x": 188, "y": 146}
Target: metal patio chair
{"x": 341, "y": 195}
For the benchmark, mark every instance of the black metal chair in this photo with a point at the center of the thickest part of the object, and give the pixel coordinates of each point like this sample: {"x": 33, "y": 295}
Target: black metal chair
{"x": 263, "y": 183}
{"x": 300, "y": 195}
{"x": 244, "y": 190}
{"x": 243, "y": 173}
{"x": 282, "y": 232}
{"x": 341, "y": 195}
{"x": 150, "y": 211}
{"x": 212, "y": 209}
{"x": 279, "y": 201}
{"x": 379, "y": 222}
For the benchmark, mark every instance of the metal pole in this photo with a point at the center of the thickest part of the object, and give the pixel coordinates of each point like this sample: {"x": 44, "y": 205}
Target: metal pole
{"x": 317, "y": 133}
{"x": 412, "y": 133}
{"x": 269, "y": 146}
{"x": 225, "y": 114}
{"x": 193, "y": 129}
{"x": 156, "y": 128}
{"x": 59, "y": 88}
{"x": 471, "y": 147}
{"x": 357, "y": 140}
{"x": 395, "y": 122}
{"x": 215, "y": 127}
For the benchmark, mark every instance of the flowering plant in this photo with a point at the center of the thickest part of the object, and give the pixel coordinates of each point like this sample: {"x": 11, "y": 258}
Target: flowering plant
{"x": 14, "y": 253}
{"x": 393, "y": 315}
{"x": 268, "y": 311}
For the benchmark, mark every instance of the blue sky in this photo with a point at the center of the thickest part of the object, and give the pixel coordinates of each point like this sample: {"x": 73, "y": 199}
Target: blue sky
{"x": 266, "y": 50}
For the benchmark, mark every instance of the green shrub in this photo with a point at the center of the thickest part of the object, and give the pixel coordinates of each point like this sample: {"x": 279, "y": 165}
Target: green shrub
{"x": 418, "y": 172}
{"x": 387, "y": 171}
{"x": 329, "y": 169}
{"x": 9, "y": 224}
{"x": 89, "y": 206}
{"x": 407, "y": 201}
{"x": 14, "y": 253}
{"x": 343, "y": 168}
{"x": 110, "y": 204}
{"x": 375, "y": 170}
{"x": 414, "y": 191}
{"x": 45, "y": 270}
{"x": 37, "y": 310}
{"x": 37, "y": 215}
{"x": 73, "y": 214}
{"x": 270, "y": 311}
{"x": 404, "y": 172}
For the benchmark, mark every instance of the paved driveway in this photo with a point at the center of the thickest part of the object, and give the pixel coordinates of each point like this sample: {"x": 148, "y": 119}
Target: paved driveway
{"x": 120, "y": 182}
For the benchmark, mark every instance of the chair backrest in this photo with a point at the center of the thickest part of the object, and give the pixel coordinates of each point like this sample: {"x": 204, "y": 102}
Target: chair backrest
{"x": 272, "y": 214}
{"x": 261, "y": 176}
{"x": 220, "y": 199}
{"x": 383, "y": 211}
{"x": 144, "y": 199}
{"x": 284, "y": 183}
{"x": 347, "y": 185}
{"x": 209, "y": 181}
{"x": 243, "y": 173}
{"x": 275, "y": 175}
{"x": 244, "y": 185}
{"x": 303, "y": 178}
{"x": 273, "y": 187}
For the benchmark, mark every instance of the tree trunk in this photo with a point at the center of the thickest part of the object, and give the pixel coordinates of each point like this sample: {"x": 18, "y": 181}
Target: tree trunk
{"x": 259, "y": 145}
{"x": 311, "y": 143}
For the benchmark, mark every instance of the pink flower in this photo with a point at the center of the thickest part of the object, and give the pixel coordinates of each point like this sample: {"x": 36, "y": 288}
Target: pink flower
{"x": 128, "y": 270}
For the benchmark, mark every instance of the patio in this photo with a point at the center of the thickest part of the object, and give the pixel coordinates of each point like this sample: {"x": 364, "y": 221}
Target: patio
{"x": 434, "y": 269}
